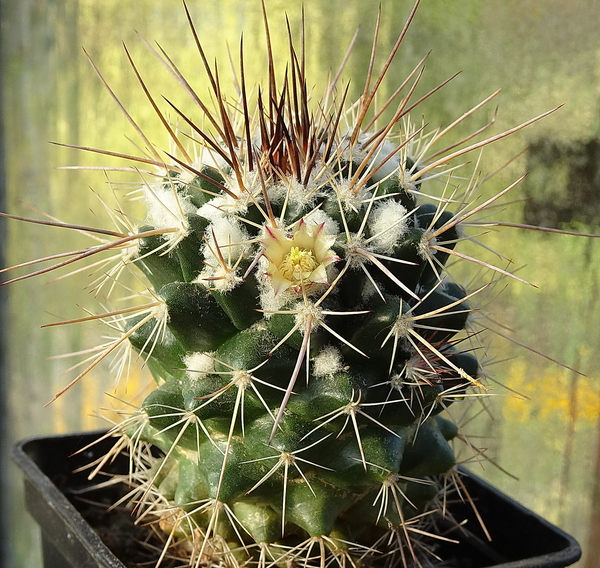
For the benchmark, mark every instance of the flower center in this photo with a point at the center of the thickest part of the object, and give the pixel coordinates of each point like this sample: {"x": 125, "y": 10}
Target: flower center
{"x": 298, "y": 264}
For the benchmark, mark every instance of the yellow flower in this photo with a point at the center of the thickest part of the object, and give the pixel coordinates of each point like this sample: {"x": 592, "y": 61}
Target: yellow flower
{"x": 300, "y": 261}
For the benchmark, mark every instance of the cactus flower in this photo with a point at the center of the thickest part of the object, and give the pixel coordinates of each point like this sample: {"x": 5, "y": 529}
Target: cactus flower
{"x": 299, "y": 261}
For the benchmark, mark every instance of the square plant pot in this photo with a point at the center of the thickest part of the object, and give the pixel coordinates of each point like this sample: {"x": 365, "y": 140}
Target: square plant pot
{"x": 56, "y": 498}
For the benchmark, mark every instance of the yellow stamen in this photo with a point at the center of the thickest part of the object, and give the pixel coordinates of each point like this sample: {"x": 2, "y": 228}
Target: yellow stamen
{"x": 298, "y": 265}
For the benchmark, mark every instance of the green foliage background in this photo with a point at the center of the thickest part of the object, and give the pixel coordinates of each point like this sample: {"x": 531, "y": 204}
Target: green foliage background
{"x": 541, "y": 53}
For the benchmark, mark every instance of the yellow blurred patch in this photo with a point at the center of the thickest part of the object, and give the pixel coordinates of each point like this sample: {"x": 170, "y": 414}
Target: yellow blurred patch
{"x": 552, "y": 392}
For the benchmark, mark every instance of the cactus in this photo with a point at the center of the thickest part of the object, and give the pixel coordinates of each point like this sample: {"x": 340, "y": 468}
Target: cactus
{"x": 303, "y": 329}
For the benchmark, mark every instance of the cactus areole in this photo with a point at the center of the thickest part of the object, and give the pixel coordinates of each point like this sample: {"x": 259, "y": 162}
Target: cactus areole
{"x": 305, "y": 335}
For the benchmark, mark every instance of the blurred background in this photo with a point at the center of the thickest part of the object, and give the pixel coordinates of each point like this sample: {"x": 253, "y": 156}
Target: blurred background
{"x": 541, "y": 53}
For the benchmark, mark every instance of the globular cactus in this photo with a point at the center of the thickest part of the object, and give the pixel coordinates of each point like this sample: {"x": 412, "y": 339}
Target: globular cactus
{"x": 306, "y": 348}
{"x": 303, "y": 330}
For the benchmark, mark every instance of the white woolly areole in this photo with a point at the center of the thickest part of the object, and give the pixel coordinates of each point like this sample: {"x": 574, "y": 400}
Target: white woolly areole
{"x": 298, "y": 197}
{"x": 388, "y": 226}
{"x": 248, "y": 192}
{"x": 349, "y": 199}
{"x": 327, "y": 361}
{"x": 199, "y": 364}
{"x": 237, "y": 201}
{"x": 227, "y": 236}
{"x": 165, "y": 207}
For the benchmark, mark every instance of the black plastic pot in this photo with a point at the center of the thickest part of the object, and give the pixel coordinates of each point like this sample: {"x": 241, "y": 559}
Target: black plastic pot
{"x": 54, "y": 497}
